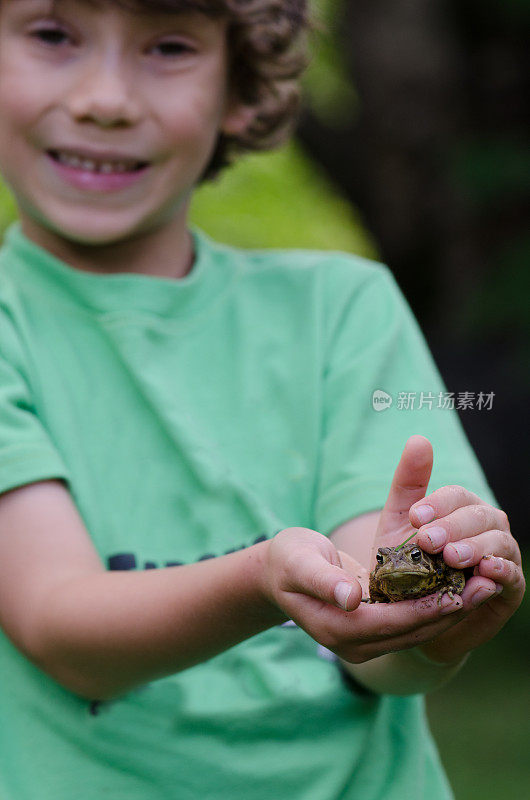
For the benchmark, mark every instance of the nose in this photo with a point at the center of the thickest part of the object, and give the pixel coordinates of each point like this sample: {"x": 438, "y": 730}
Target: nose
{"x": 104, "y": 93}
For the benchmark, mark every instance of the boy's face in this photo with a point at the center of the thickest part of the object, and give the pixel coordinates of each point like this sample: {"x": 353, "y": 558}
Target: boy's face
{"x": 108, "y": 117}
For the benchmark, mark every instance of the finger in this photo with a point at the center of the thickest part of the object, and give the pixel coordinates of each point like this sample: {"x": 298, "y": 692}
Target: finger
{"x": 430, "y": 629}
{"x": 411, "y": 477}
{"x": 477, "y": 591}
{"x": 468, "y": 552}
{"x": 506, "y": 574}
{"x": 440, "y": 503}
{"x": 463, "y": 522}
{"x": 318, "y": 578}
{"x": 407, "y": 641}
{"x": 382, "y": 621}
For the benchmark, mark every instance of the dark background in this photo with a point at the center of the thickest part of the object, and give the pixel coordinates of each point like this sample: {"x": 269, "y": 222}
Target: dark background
{"x": 434, "y": 155}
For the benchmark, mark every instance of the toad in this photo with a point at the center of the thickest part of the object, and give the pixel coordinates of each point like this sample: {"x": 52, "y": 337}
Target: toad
{"x": 406, "y": 572}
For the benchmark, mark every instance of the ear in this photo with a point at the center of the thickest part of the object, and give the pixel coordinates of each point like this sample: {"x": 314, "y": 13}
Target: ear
{"x": 237, "y": 119}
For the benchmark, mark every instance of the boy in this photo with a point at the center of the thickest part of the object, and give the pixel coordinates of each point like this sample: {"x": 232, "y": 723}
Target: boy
{"x": 173, "y": 410}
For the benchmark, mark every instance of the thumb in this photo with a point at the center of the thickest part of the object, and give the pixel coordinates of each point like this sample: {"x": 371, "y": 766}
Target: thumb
{"x": 317, "y": 577}
{"x": 411, "y": 477}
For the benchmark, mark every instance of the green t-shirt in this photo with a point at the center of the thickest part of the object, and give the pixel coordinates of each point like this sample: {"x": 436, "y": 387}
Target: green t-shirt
{"x": 189, "y": 418}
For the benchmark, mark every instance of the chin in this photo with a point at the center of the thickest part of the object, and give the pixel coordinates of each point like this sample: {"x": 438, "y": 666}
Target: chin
{"x": 97, "y": 233}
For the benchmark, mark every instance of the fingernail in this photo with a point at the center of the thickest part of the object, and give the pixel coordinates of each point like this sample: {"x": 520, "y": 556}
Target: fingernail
{"x": 448, "y": 605}
{"x": 425, "y": 514}
{"x": 342, "y": 594}
{"x": 438, "y": 536}
{"x": 498, "y": 588}
{"x": 498, "y": 563}
{"x": 480, "y": 596}
{"x": 463, "y": 551}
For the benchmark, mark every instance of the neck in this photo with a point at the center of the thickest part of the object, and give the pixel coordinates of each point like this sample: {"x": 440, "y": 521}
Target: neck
{"x": 165, "y": 252}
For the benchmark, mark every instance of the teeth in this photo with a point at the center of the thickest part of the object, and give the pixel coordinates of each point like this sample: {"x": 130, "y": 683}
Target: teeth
{"x": 89, "y": 165}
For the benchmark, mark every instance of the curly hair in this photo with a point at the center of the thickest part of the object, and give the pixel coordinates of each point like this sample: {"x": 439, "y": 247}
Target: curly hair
{"x": 267, "y": 54}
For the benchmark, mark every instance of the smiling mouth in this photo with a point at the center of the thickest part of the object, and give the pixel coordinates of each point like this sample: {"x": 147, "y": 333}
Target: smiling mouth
{"x": 102, "y": 167}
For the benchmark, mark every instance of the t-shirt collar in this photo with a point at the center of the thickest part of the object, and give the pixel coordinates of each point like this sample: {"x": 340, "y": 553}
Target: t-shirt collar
{"x": 213, "y": 270}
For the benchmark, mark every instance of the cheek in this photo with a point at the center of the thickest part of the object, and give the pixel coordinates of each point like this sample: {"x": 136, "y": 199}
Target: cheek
{"x": 13, "y": 116}
{"x": 27, "y": 88}
{"x": 15, "y": 122}
{"x": 193, "y": 118}
{"x": 21, "y": 98}
{"x": 192, "y": 129}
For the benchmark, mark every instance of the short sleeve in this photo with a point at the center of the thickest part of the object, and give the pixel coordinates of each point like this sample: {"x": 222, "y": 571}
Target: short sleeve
{"x": 26, "y": 451}
{"x": 380, "y": 387}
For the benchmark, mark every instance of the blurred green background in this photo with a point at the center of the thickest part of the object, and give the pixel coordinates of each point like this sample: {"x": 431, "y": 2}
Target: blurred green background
{"x": 481, "y": 719}
{"x": 439, "y": 195}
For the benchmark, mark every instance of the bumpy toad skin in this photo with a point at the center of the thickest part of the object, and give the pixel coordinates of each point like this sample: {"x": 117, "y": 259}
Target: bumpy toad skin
{"x": 407, "y": 572}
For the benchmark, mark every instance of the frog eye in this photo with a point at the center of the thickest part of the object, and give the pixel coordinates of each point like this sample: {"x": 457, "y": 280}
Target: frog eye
{"x": 379, "y": 558}
{"x": 415, "y": 554}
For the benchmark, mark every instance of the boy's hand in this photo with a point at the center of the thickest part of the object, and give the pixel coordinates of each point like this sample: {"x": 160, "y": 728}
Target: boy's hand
{"x": 471, "y": 533}
{"x": 313, "y": 583}
{"x": 317, "y": 585}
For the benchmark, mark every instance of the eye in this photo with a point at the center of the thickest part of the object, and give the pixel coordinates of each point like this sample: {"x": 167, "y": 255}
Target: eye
{"x": 415, "y": 554}
{"x": 53, "y": 36}
{"x": 379, "y": 558}
{"x": 172, "y": 48}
